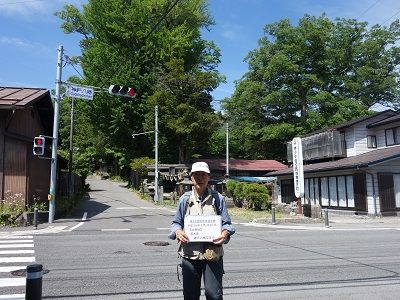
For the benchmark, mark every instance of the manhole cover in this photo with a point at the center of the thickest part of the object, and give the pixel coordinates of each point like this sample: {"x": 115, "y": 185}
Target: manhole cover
{"x": 22, "y": 272}
{"x": 156, "y": 243}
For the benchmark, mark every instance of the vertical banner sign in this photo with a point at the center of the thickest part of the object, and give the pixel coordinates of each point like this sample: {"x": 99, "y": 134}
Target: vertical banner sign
{"x": 298, "y": 174}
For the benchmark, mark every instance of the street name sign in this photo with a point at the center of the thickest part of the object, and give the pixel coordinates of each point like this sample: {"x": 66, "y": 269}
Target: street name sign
{"x": 81, "y": 92}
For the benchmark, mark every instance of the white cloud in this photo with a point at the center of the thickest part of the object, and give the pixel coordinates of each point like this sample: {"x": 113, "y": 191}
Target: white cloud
{"x": 31, "y": 8}
{"x": 23, "y": 7}
{"x": 12, "y": 41}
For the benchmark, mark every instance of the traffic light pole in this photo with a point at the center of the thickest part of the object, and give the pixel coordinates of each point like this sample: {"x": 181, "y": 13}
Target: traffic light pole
{"x": 53, "y": 174}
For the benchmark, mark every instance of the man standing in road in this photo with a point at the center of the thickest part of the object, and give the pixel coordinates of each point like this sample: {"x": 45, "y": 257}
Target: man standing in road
{"x": 201, "y": 258}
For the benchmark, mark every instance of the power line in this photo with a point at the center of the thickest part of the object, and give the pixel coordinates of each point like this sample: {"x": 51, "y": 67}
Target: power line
{"x": 369, "y": 7}
{"x": 395, "y": 14}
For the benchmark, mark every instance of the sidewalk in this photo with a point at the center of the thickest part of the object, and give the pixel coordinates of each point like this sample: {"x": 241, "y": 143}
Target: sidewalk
{"x": 335, "y": 221}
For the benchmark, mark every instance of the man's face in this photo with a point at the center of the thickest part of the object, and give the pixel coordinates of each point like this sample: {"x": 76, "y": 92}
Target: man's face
{"x": 200, "y": 179}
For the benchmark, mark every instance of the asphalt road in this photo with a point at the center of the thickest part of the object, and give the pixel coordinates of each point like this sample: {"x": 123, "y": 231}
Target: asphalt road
{"x": 106, "y": 256}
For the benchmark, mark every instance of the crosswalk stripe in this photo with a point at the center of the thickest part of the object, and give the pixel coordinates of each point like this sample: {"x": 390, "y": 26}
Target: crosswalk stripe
{"x": 18, "y": 281}
{"x": 11, "y": 268}
{"x": 17, "y": 259}
{"x": 17, "y": 252}
{"x": 15, "y": 242}
{"x": 13, "y": 297}
{"x": 16, "y": 246}
{"x": 16, "y": 237}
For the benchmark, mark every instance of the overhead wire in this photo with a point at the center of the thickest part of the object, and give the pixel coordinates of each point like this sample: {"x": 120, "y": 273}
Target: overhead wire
{"x": 368, "y": 8}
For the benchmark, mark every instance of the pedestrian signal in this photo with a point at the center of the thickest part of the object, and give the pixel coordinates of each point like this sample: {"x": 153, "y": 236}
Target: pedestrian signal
{"x": 38, "y": 145}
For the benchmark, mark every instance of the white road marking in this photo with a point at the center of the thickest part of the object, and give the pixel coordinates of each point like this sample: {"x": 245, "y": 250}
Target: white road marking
{"x": 5, "y": 282}
{"x": 17, "y": 252}
{"x": 163, "y": 228}
{"x": 15, "y": 237}
{"x": 11, "y": 268}
{"x": 13, "y": 297}
{"x": 16, "y": 246}
{"x": 80, "y": 223}
{"x": 17, "y": 259}
{"x": 15, "y": 241}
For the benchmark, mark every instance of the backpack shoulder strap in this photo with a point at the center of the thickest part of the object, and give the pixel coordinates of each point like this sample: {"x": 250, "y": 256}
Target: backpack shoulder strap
{"x": 215, "y": 195}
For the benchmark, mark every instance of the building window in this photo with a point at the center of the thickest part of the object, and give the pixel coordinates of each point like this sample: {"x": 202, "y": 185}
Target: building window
{"x": 392, "y": 136}
{"x": 337, "y": 191}
{"x": 371, "y": 141}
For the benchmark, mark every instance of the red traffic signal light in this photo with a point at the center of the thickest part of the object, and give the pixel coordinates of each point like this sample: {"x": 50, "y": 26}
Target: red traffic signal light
{"x": 38, "y": 145}
{"x": 119, "y": 90}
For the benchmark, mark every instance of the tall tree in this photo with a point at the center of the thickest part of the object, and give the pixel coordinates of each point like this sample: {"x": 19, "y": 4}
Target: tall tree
{"x": 312, "y": 75}
{"x": 130, "y": 43}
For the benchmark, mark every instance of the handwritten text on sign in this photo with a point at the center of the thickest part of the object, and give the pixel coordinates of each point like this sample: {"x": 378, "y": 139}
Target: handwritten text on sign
{"x": 202, "y": 228}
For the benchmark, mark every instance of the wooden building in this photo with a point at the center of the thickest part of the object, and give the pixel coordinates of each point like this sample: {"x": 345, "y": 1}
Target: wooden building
{"x": 24, "y": 114}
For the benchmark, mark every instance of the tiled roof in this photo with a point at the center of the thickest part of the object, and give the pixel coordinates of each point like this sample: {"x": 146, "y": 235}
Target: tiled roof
{"x": 367, "y": 159}
{"x": 13, "y": 97}
{"x": 245, "y": 164}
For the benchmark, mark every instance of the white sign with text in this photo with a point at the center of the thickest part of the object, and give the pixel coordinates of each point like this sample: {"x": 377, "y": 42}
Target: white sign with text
{"x": 82, "y": 92}
{"x": 202, "y": 228}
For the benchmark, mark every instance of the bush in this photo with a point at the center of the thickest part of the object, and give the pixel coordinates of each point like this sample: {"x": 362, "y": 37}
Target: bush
{"x": 256, "y": 195}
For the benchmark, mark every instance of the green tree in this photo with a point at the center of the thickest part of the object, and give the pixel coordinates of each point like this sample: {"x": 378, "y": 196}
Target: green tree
{"x": 309, "y": 76}
{"x": 131, "y": 43}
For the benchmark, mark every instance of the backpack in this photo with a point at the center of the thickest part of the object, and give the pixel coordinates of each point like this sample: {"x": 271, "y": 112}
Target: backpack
{"x": 216, "y": 202}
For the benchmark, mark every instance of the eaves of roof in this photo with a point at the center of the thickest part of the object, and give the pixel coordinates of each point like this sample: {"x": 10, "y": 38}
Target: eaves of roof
{"x": 20, "y": 98}
{"x": 350, "y": 123}
{"x": 364, "y": 160}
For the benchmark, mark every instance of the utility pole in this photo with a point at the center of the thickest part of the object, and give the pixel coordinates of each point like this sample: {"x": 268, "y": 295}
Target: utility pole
{"x": 71, "y": 134}
{"x": 156, "y": 197}
{"x": 227, "y": 151}
{"x": 53, "y": 174}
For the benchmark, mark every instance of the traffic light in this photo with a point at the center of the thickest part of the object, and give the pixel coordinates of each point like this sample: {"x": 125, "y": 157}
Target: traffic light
{"x": 38, "y": 145}
{"x": 119, "y": 90}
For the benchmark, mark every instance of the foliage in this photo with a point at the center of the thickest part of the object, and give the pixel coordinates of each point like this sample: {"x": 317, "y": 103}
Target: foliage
{"x": 253, "y": 194}
{"x": 137, "y": 165}
{"x": 10, "y": 208}
{"x": 257, "y": 195}
{"x": 41, "y": 206}
{"x": 133, "y": 43}
{"x": 186, "y": 116}
{"x": 310, "y": 76}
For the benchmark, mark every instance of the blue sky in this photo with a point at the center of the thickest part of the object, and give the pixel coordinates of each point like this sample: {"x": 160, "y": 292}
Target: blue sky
{"x": 30, "y": 33}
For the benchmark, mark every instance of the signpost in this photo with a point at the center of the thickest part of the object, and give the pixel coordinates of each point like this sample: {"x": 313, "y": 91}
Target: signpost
{"x": 298, "y": 173}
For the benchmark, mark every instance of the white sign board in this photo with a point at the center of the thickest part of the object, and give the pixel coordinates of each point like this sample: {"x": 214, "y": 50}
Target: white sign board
{"x": 82, "y": 92}
{"x": 298, "y": 173}
{"x": 202, "y": 228}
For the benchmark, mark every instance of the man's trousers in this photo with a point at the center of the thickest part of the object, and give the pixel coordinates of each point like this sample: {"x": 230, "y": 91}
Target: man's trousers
{"x": 193, "y": 270}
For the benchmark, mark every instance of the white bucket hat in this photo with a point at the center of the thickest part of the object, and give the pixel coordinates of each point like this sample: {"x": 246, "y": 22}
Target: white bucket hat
{"x": 200, "y": 167}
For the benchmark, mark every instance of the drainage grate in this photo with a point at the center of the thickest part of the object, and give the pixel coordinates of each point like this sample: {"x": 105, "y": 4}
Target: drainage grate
{"x": 22, "y": 272}
{"x": 156, "y": 243}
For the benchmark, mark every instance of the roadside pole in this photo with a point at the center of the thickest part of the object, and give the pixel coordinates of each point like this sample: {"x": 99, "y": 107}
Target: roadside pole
{"x": 53, "y": 175}
{"x": 156, "y": 198}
